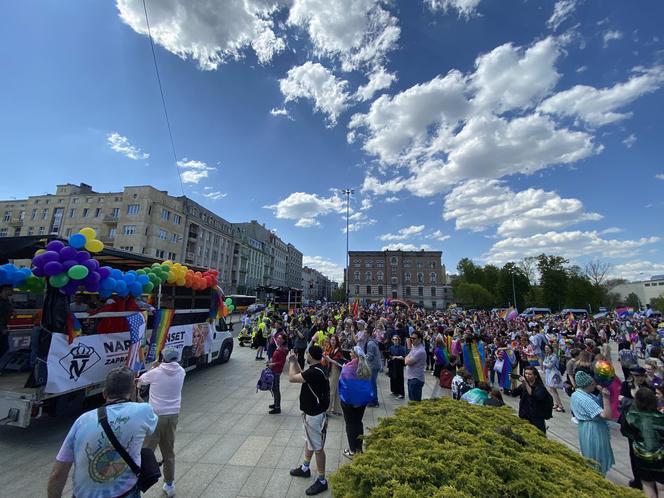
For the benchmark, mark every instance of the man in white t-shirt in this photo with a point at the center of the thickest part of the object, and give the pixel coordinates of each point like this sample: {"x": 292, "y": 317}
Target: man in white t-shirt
{"x": 99, "y": 471}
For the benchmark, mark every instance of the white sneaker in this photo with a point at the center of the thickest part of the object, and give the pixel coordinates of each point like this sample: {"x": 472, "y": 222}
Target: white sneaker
{"x": 169, "y": 489}
{"x": 575, "y": 420}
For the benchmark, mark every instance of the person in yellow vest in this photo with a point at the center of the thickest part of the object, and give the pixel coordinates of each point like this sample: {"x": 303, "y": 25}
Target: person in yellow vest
{"x": 261, "y": 338}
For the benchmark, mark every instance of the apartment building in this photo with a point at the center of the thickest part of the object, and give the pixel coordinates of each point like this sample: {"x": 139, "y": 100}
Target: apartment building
{"x": 415, "y": 276}
{"x": 315, "y": 286}
{"x": 294, "y": 268}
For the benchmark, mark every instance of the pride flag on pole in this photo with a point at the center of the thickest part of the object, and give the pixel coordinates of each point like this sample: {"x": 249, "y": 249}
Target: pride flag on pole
{"x": 474, "y": 360}
{"x": 74, "y": 329}
{"x": 160, "y": 326}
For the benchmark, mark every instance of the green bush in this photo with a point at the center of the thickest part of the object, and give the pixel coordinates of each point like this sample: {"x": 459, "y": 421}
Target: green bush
{"x": 450, "y": 449}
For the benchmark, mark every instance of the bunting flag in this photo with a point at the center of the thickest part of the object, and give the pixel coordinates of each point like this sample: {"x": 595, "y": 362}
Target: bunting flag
{"x": 135, "y": 357}
{"x": 474, "y": 360}
{"x": 74, "y": 329}
{"x": 160, "y": 326}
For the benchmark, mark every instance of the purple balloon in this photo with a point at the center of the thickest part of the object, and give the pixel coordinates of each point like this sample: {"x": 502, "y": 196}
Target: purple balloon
{"x": 82, "y": 256}
{"x": 90, "y": 264}
{"x": 68, "y": 252}
{"x": 92, "y": 287}
{"x": 92, "y": 278}
{"x": 52, "y": 268}
{"x": 68, "y": 264}
{"x": 38, "y": 261}
{"x": 38, "y": 271}
{"x": 70, "y": 287}
{"x": 104, "y": 272}
{"x": 55, "y": 245}
{"x": 49, "y": 256}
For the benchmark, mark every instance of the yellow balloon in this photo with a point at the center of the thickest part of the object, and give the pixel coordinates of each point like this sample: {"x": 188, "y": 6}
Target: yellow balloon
{"x": 168, "y": 262}
{"x": 89, "y": 233}
{"x": 39, "y": 251}
{"x": 94, "y": 245}
{"x": 180, "y": 281}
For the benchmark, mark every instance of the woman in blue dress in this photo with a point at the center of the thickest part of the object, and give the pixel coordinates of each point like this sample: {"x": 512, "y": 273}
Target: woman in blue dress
{"x": 592, "y": 413}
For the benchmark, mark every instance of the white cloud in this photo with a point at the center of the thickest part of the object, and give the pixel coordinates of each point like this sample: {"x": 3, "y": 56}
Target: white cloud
{"x": 209, "y": 32}
{"x": 438, "y": 235}
{"x": 581, "y": 69}
{"x": 571, "y": 244}
{"x": 216, "y": 195}
{"x": 479, "y": 204}
{"x": 378, "y": 187}
{"x": 357, "y": 32}
{"x": 313, "y": 81}
{"x": 280, "y": 112}
{"x": 121, "y": 144}
{"x": 330, "y": 269}
{"x": 391, "y": 199}
{"x": 358, "y": 225}
{"x": 561, "y": 11}
{"x": 306, "y": 208}
{"x": 611, "y": 230}
{"x": 598, "y": 106}
{"x": 400, "y": 246}
{"x": 629, "y": 141}
{"x": 193, "y": 171}
{"x": 637, "y": 270}
{"x": 659, "y": 176}
{"x": 611, "y": 35}
{"x": 366, "y": 204}
{"x": 465, "y": 8}
{"x": 403, "y": 233}
{"x": 378, "y": 80}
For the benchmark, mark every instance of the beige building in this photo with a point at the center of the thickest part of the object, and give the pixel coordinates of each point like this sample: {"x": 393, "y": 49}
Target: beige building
{"x": 415, "y": 276}
{"x": 644, "y": 289}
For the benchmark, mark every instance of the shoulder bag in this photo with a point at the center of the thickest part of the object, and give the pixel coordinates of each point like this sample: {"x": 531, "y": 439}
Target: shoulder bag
{"x": 148, "y": 473}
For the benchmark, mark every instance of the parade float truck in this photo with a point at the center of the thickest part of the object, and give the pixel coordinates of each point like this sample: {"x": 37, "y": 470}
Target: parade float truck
{"x": 59, "y": 357}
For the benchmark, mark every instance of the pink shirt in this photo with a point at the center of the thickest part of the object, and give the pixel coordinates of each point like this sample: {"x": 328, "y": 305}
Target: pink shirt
{"x": 165, "y": 387}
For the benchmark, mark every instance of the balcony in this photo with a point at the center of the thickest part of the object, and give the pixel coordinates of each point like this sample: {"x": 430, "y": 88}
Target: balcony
{"x": 106, "y": 239}
{"x": 111, "y": 220}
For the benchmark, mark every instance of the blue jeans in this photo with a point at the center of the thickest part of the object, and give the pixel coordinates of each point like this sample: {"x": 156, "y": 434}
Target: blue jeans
{"x": 415, "y": 389}
{"x": 374, "y": 385}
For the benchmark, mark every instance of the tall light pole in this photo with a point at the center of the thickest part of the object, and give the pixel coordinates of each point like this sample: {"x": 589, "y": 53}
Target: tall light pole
{"x": 513, "y": 291}
{"x": 347, "y": 192}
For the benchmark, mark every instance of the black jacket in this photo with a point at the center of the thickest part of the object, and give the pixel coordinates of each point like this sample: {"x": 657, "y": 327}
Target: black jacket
{"x": 532, "y": 405}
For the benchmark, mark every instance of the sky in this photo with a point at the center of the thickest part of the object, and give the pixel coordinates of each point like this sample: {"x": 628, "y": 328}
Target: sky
{"x": 492, "y": 130}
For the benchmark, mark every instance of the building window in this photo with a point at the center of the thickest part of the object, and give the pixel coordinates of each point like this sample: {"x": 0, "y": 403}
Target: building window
{"x": 42, "y": 230}
{"x": 380, "y": 264}
{"x": 171, "y": 255}
{"x": 368, "y": 289}
{"x": 163, "y": 234}
{"x": 97, "y": 212}
{"x": 356, "y": 276}
{"x": 407, "y": 291}
{"x": 133, "y": 208}
{"x": 420, "y": 278}
{"x": 419, "y": 265}
{"x": 394, "y": 261}
{"x": 45, "y": 213}
{"x": 129, "y": 229}
{"x": 367, "y": 276}
{"x": 420, "y": 291}
{"x": 17, "y": 231}
{"x": 21, "y": 215}
{"x": 72, "y": 212}
{"x": 112, "y": 232}
{"x": 357, "y": 290}
{"x": 85, "y": 212}
{"x": 159, "y": 253}
{"x": 406, "y": 277}
{"x": 368, "y": 264}
{"x": 406, "y": 263}
{"x": 31, "y": 230}
{"x": 433, "y": 304}
{"x": 165, "y": 214}
{"x": 74, "y": 200}
{"x": 115, "y": 213}
{"x": 379, "y": 276}
{"x": 394, "y": 280}
{"x": 177, "y": 219}
{"x": 380, "y": 290}
{"x": 3, "y": 232}
{"x": 432, "y": 277}
{"x": 8, "y": 215}
{"x": 174, "y": 238}
{"x": 34, "y": 214}
{"x": 127, "y": 248}
{"x": 432, "y": 265}
{"x": 433, "y": 291}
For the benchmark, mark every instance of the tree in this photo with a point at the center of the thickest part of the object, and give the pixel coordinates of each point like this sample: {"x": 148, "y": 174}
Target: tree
{"x": 528, "y": 266}
{"x": 633, "y": 301}
{"x": 581, "y": 293}
{"x": 473, "y": 295}
{"x": 612, "y": 282}
{"x": 597, "y": 271}
{"x": 339, "y": 295}
{"x": 504, "y": 290}
{"x": 657, "y": 303}
{"x": 553, "y": 280}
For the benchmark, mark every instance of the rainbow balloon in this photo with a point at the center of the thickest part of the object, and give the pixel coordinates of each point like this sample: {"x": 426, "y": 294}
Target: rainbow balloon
{"x": 604, "y": 372}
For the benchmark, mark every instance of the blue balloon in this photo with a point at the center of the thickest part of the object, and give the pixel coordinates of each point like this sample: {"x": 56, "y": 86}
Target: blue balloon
{"x": 105, "y": 294}
{"x": 123, "y": 293}
{"x": 135, "y": 289}
{"x": 130, "y": 278}
{"x": 142, "y": 279}
{"x": 108, "y": 284}
{"x": 77, "y": 240}
{"x": 120, "y": 287}
{"x": 116, "y": 274}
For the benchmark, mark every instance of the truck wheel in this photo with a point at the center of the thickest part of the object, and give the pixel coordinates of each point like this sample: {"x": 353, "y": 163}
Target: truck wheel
{"x": 225, "y": 353}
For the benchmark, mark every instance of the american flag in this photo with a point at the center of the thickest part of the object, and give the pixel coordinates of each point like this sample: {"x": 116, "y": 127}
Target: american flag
{"x": 135, "y": 359}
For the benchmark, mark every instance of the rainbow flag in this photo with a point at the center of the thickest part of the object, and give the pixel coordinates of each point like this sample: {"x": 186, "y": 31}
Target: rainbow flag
{"x": 160, "y": 326}
{"x": 570, "y": 319}
{"x": 509, "y": 361}
{"x": 217, "y": 305}
{"x": 74, "y": 329}
{"x": 474, "y": 360}
{"x": 511, "y": 314}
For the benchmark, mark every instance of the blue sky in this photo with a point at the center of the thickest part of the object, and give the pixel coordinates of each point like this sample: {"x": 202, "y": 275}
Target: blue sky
{"x": 490, "y": 130}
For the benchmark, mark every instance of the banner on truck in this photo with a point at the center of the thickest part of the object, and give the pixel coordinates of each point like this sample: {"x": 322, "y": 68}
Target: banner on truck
{"x": 197, "y": 335}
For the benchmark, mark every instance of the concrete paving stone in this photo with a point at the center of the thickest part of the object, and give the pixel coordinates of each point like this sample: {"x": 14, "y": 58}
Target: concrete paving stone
{"x": 228, "y": 482}
{"x": 256, "y": 483}
{"x": 299, "y": 485}
{"x": 282, "y": 436}
{"x": 246, "y": 424}
{"x": 223, "y": 450}
{"x": 292, "y": 457}
{"x": 278, "y": 485}
{"x": 271, "y": 456}
{"x": 251, "y": 451}
{"x": 198, "y": 447}
{"x": 196, "y": 480}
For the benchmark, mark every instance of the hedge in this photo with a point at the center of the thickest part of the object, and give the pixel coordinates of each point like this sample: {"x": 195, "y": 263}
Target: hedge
{"x": 449, "y": 449}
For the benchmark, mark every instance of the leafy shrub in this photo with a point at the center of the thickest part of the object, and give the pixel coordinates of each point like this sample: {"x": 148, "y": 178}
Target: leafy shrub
{"x": 449, "y": 449}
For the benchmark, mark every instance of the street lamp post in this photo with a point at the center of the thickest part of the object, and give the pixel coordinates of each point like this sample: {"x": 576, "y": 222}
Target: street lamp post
{"x": 347, "y": 192}
{"x": 513, "y": 291}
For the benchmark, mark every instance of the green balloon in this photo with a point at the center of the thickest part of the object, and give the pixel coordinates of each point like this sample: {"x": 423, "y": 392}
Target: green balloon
{"x": 228, "y": 301}
{"x": 140, "y": 272}
{"x": 59, "y": 280}
{"x": 154, "y": 279}
{"x": 165, "y": 268}
{"x": 149, "y": 287}
{"x": 78, "y": 272}
{"x": 231, "y": 308}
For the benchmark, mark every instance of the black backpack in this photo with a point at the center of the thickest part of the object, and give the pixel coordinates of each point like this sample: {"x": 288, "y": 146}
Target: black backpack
{"x": 547, "y": 409}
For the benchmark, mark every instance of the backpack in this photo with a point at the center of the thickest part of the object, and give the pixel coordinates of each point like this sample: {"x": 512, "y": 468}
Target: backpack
{"x": 547, "y": 409}
{"x": 265, "y": 381}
